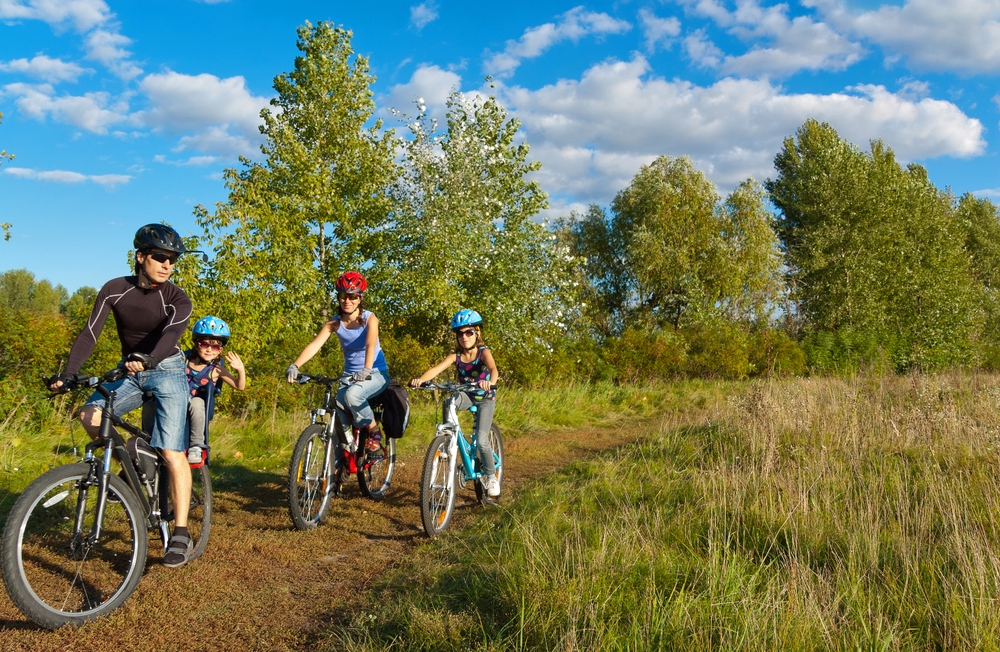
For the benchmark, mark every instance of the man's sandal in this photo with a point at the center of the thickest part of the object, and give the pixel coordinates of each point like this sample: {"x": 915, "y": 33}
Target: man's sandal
{"x": 178, "y": 551}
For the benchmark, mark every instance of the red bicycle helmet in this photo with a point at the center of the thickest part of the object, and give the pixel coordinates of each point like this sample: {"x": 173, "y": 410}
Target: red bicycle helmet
{"x": 351, "y": 283}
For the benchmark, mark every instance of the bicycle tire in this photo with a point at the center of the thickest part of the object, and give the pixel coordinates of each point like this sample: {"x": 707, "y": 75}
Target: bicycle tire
{"x": 309, "y": 493}
{"x": 375, "y": 477}
{"x": 52, "y": 579}
{"x": 496, "y": 441}
{"x": 437, "y": 500}
{"x": 200, "y": 513}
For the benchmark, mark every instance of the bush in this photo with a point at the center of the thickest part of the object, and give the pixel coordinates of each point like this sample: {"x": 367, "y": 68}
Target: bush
{"x": 643, "y": 355}
{"x": 773, "y": 353}
{"x": 846, "y": 350}
{"x": 717, "y": 351}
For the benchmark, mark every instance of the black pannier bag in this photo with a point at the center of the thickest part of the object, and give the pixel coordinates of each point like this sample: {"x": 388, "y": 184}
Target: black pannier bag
{"x": 395, "y": 404}
{"x": 143, "y": 455}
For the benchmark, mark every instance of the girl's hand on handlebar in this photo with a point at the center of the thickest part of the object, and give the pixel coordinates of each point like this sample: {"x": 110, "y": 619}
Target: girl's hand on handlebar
{"x": 485, "y": 384}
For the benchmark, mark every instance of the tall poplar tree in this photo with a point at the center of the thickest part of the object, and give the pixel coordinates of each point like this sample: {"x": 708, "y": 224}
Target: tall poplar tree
{"x": 314, "y": 207}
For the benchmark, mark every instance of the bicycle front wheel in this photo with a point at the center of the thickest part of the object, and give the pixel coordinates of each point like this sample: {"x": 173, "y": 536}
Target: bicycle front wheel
{"x": 375, "y": 473}
{"x": 200, "y": 514}
{"x": 496, "y": 443}
{"x": 309, "y": 491}
{"x": 437, "y": 489}
{"x": 54, "y": 571}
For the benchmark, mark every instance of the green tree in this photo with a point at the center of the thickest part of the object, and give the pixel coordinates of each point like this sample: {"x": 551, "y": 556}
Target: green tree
{"x": 982, "y": 241}
{"x": 874, "y": 246}
{"x": 464, "y": 234}
{"x": 672, "y": 253}
{"x": 313, "y": 208}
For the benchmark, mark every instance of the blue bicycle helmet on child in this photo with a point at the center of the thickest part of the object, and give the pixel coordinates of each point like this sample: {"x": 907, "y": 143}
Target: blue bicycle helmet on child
{"x": 465, "y": 317}
{"x": 211, "y": 327}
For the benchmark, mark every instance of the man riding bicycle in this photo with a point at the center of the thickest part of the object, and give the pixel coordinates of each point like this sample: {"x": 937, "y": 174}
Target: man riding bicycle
{"x": 151, "y": 315}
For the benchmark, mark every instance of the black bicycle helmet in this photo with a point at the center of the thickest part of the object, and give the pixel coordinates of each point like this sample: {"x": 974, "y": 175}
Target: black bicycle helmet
{"x": 158, "y": 236}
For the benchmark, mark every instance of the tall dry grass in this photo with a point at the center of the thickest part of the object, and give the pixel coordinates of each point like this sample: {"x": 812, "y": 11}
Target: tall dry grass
{"x": 809, "y": 514}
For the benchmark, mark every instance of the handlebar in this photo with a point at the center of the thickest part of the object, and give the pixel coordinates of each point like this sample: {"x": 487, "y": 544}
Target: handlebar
{"x": 321, "y": 380}
{"x": 467, "y": 387}
{"x": 73, "y": 381}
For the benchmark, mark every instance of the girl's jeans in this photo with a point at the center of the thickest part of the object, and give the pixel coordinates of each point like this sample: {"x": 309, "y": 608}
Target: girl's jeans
{"x": 355, "y": 398}
{"x": 484, "y": 419}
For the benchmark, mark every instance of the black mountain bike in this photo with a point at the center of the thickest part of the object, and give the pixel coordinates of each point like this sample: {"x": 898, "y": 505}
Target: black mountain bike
{"x": 326, "y": 451}
{"x": 75, "y": 543}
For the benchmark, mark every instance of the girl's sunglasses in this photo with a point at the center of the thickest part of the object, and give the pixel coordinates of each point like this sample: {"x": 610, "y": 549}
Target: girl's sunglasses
{"x": 210, "y": 345}
{"x": 470, "y": 332}
{"x": 350, "y": 297}
{"x": 162, "y": 258}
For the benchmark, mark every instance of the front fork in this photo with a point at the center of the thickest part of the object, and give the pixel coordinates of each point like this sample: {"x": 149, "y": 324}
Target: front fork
{"x": 102, "y": 479}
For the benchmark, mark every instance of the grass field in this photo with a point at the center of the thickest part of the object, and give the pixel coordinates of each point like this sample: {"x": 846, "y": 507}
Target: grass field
{"x": 809, "y": 514}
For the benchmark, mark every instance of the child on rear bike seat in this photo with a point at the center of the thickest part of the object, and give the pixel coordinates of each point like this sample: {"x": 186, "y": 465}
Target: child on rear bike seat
{"x": 204, "y": 367}
{"x": 357, "y": 330}
{"x": 474, "y": 364}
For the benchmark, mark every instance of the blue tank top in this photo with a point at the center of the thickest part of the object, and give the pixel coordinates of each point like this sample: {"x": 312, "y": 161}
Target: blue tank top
{"x": 352, "y": 341}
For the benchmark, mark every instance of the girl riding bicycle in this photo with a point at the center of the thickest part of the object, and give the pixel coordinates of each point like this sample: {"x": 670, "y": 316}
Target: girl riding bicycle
{"x": 357, "y": 330}
{"x": 474, "y": 363}
{"x": 204, "y": 366}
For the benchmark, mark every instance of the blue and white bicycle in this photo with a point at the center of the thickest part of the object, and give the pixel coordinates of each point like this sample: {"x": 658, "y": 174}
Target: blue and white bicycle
{"x": 451, "y": 463}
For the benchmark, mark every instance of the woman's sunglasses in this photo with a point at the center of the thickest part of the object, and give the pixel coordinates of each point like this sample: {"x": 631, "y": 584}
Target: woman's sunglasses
{"x": 350, "y": 297}
{"x": 467, "y": 333}
{"x": 162, "y": 258}
{"x": 210, "y": 345}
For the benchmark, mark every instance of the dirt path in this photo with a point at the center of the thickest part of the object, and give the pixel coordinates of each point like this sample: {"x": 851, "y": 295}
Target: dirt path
{"x": 263, "y": 585}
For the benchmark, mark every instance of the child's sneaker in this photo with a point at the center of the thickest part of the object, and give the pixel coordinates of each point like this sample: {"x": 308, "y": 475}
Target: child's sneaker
{"x": 194, "y": 455}
{"x": 493, "y": 488}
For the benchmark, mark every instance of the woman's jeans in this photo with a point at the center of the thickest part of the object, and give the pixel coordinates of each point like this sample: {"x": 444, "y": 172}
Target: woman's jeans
{"x": 355, "y": 398}
{"x": 484, "y": 419}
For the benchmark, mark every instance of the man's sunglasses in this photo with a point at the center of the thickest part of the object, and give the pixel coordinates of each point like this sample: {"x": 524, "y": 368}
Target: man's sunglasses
{"x": 162, "y": 258}
{"x": 351, "y": 297}
{"x": 467, "y": 333}
{"x": 210, "y": 345}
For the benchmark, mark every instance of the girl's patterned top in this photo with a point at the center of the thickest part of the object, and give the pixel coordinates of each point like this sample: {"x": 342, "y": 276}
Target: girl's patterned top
{"x": 475, "y": 371}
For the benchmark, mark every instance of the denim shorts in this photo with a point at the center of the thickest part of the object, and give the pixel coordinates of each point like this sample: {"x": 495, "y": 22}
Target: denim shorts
{"x": 168, "y": 383}
{"x": 354, "y": 397}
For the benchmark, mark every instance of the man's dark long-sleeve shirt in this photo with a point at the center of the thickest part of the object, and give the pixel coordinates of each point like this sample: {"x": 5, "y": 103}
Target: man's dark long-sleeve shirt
{"x": 149, "y": 321}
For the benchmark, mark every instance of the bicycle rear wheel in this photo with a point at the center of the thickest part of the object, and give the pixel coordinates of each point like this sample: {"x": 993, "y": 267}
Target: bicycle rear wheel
{"x": 376, "y": 470}
{"x": 309, "y": 490}
{"x": 496, "y": 442}
{"x": 437, "y": 489}
{"x": 58, "y": 577}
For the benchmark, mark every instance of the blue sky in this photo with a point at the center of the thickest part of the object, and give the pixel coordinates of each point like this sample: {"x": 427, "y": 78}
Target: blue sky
{"x": 124, "y": 113}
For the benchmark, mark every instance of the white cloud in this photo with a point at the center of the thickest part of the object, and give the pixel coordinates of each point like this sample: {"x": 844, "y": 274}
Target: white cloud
{"x": 223, "y": 114}
{"x": 991, "y": 192}
{"x": 958, "y": 35}
{"x": 593, "y": 134}
{"x": 108, "y": 47}
{"x": 193, "y": 160}
{"x": 65, "y": 176}
{"x": 701, "y": 50}
{"x": 573, "y": 25}
{"x": 781, "y": 45}
{"x": 93, "y": 112}
{"x": 658, "y": 30}
{"x": 422, "y": 14}
{"x": 91, "y": 18}
{"x": 431, "y": 83}
{"x": 45, "y": 68}
{"x": 83, "y": 15}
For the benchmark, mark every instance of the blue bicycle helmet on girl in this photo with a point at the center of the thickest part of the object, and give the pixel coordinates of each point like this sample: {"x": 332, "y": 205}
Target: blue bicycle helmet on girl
{"x": 211, "y": 327}
{"x": 464, "y": 318}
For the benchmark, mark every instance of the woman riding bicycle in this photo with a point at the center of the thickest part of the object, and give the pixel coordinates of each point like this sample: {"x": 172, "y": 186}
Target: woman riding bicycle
{"x": 151, "y": 315}
{"x": 474, "y": 364}
{"x": 357, "y": 330}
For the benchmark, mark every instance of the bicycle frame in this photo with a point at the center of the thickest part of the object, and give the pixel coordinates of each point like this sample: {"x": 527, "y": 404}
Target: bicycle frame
{"x": 458, "y": 447}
